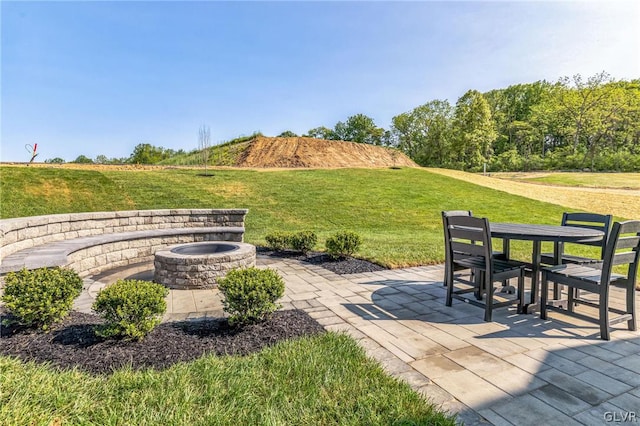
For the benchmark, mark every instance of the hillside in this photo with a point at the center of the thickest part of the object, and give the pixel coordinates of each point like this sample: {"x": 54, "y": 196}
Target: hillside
{"x": 318, "y": 153}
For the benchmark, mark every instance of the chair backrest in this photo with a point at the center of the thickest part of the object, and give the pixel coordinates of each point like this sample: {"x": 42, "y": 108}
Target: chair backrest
{"x": 469, "y": 236}
{"x": 600, "y": 222}
{"x": 445, "y": 224}
{"x": 623, "y": 248}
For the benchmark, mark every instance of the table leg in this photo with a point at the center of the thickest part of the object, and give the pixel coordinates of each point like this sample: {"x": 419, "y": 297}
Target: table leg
{"x": 557, "y": 288}
{"x": 536, "y": 258}
{"x": 557, "y": 260}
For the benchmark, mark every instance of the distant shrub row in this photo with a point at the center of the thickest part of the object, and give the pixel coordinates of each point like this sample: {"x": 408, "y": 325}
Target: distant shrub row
{"x": 339, "y": 245}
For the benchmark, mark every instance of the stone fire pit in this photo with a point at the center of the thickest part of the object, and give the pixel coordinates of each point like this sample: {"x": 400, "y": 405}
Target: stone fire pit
{"x": 199, "y": 265}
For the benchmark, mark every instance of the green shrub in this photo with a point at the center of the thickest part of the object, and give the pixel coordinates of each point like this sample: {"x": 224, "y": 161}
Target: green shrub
{"x": 278, "y": 241}
{"x": 303, "y": 241}
{"x": 250, "y": 294}
{"x": 40, "y": 297}
{"x": 343, "y": 244}
{"x": 131, "y": 308}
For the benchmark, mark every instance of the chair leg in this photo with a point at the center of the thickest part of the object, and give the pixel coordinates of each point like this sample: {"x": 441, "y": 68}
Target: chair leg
{"x": 449, "y": 281}
{"x": 488, "y": 309}
{"x": 604, "y": 320}
{"x": 631, "y": 306}
{"x": 544, "y": 290}
{"x": 571, "y": 292}
{"x": 521, "y": 292}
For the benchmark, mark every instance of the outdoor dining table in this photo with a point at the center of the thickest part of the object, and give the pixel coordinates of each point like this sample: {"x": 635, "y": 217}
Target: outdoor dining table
{"x": 537, "y": 234}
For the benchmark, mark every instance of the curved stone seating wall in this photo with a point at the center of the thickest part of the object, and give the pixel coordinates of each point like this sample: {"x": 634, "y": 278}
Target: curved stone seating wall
{"x": 91, "y": 242}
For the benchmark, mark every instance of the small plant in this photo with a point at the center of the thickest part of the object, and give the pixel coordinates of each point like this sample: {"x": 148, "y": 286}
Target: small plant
{"x": 131, "y": 308}
{"x": 40, "y": 297}
{"x": 250, "y": 294}
{"x": 303, "y": 241}
{"x": 343, "y": 244}
{"x": 278, "y": 241}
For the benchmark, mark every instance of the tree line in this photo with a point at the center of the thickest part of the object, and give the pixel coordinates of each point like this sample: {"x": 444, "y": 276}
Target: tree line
{"x": 572, "y": 124}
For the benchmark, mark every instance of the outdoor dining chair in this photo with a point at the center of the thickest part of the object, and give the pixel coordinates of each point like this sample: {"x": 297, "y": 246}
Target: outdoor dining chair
{"x": 445, "y": 216}
{"x": 468, "y": 241}
{"x": 623, "y": 248}
{"x": 600, "y": 222}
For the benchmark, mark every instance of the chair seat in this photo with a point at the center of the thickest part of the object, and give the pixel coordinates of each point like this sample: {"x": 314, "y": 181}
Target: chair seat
{"x": 582, "y": 273}
{"x": 499, "y": 265}
{"x": 549, "y": 259}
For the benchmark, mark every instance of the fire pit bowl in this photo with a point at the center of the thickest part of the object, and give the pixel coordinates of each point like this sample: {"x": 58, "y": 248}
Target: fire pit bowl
{"x": 199, "y": 265}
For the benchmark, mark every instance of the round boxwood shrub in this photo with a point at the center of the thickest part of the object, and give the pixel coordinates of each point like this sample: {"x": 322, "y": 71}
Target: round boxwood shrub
{"x": 278, "y": 241}
{"x": 40, "y": 297}
{"x": 303, "y": 241}
{"x": 130, "y": 308}
{"x": 250, "y": 294}
{"x": 343, "y": 244}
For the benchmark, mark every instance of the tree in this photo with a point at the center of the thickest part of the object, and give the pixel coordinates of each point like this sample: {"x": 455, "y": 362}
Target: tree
{"x": 102, "y": 159}
{"x": 204, "y": 143}
{"x": 146, "y": 153}
{"x": 359, "y": 128}
{"x": 322, "y": 133}
{"x": 56, "y": 160}
{"x": 473, "y": 130}
{"x": 82, "y": 159}
{"x": 287, "y": 134}
{"x": 424, "y": 133}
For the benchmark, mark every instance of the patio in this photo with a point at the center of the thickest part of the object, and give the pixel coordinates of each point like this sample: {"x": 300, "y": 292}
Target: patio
{"x": 517, "y": 369}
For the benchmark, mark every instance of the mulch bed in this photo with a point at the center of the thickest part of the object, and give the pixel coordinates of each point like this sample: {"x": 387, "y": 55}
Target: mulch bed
{"x": 73, "y": 343}
{"x": 347, "y": 265}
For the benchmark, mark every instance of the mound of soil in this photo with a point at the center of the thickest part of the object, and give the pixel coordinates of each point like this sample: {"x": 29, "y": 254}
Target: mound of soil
{"x": 73, "y": 342}
{"x": 309, "y": 152}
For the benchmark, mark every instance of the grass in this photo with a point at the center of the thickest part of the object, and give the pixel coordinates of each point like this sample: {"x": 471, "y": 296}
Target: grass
{"x": 322, "y": 380}
{"x": 397, "y": 212}
{"x": 586, "y": 180}
{"x": 326, "y": 379}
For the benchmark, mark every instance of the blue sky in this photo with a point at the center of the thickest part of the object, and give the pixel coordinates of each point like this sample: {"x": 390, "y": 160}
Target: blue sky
{"x": 97, "y": 78}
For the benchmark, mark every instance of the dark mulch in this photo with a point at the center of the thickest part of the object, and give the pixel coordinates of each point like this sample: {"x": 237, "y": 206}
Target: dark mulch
{"x": 347, "y": 265}
{"x": 73, "y": 343}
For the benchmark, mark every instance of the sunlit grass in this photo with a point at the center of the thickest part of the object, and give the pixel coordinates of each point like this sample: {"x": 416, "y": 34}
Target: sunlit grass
{"x": 587, "y": 180}
{"x": 397, "y": 212}
{"x": 312, "y": 381}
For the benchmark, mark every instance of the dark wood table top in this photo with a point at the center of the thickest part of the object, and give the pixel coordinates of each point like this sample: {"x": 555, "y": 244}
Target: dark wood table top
{"x": 536, "y": 232}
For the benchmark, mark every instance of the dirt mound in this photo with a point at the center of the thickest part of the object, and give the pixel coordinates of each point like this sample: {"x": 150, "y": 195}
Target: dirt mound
{"x": 310, "y": 152}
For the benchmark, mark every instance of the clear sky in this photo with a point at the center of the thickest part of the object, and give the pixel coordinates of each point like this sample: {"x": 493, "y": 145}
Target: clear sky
{"x": 97, "y": 78}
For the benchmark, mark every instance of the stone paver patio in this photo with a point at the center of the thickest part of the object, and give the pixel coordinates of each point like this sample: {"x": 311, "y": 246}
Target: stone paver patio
{"x": 516, "y": 370}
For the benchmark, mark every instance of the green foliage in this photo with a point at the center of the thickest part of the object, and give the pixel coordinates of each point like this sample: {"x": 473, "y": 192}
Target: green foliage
{"x": 322, "y": 133}
{"x": 146, "y": 153}
{"x": 131, "y": 308}
{"x": 250, "y": 294}
{"x": 326, "y": 379}
{"x": 83, "y": 159}
{"x": 56, "y": 160}
{"x": 287, "y": 134}
{"x": 40, "y": 297}
{"x": 303, "y": 241}
{"x": 278, "y": 241}
{"x": 343, "y": 244}
{"x": 359, "y": 128}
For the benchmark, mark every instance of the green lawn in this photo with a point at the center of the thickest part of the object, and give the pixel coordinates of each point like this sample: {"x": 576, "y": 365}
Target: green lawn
{"x": 397, "y": 212}
{"x": 322, "y": 380}
{"x": 313, "y": 381}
